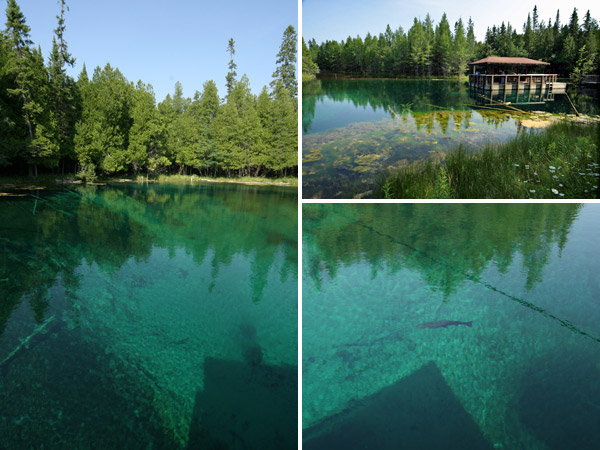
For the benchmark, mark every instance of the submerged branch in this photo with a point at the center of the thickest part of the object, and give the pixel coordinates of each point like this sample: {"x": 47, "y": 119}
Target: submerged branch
{"x": 25, "y": 341}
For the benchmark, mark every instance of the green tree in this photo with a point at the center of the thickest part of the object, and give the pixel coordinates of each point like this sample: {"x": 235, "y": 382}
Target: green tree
{"x": 443, "y": 47}
{"x": 309, "y": 67}
{"x": 230, "y": 78}
{"x": 62, "y": 90}
{"x": 208, "y": 109}
{"x": 102, "y": 133}
{"x": 26, "y": 67}
{"x": 147, "y": 133}
{"x": 419, "y": 47}
{"x": 278, "y": 119}
{"x": 460, "y": 53}
{"x": 471, "y": 41}
{"x": 18, "y": 62}
{"x": 286, "y": 62}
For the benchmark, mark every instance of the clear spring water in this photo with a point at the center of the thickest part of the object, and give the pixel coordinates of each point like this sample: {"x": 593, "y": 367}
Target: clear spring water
{"x": 148, "y": 316}
{"x": 525, "y": 374}
{"x": 355, "y": 130}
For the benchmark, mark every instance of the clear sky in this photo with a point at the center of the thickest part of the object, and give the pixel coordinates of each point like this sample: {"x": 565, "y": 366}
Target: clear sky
{"x": 161, "y": 42}
{"x": 338, "y": 19}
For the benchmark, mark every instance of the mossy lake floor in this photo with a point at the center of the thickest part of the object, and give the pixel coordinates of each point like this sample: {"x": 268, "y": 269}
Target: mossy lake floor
{"x": 367, "y": 159}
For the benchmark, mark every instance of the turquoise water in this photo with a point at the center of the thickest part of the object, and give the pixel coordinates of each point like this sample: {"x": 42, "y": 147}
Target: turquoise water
{"x": 160, "y": 316}
{"x": 525, "y": 374}
{"x": 356, "y": 130}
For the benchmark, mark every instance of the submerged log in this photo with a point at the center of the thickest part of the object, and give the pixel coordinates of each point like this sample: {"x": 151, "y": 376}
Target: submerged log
{"x": 25, "y": 342}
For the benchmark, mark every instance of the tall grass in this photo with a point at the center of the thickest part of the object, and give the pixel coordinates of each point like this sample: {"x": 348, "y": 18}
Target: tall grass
{"x": 292, "y": 181}
{"x": 562, "y": 161}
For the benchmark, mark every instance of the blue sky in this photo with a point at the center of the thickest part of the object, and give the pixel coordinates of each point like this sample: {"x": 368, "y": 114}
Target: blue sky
{"x": 338, "y": 19}
{"x": 161, "y": 42}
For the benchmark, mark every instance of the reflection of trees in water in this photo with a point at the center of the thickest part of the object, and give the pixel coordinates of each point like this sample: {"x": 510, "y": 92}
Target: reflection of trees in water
{"x": 426, "y": 101}
{"x": 311, "y": 91}
{"x": 109, "y": 226}
{"x": 447, "y": 244}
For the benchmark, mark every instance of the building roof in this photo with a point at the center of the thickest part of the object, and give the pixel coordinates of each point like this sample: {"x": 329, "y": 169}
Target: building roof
{"x": 509, "y": 60}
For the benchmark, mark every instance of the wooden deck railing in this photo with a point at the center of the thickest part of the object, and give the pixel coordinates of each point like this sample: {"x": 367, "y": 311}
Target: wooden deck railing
{"x": 518, "y": 81}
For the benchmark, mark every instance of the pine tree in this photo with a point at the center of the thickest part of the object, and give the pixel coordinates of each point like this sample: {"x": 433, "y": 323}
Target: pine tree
{"x": 460, "y": 51}
{"x": 208, "y": 109}
{"x": 471, "y": 41}
{"x": 309, "y": 67}
{"x": 62, "y": 97}
{"x": 18, "y": 40}
{"x": 442, "y": 47}
{"x": 286, "y": 62}
{"x": 26, "y": 67}
{"x": 230, "y": 78}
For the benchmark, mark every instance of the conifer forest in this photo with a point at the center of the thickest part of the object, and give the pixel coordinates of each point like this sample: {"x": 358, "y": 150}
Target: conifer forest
{"x": 102, "y": 124}
{"x": 570, "y": 45}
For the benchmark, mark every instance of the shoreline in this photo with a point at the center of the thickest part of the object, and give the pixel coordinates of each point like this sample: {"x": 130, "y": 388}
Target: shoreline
{"x": 44, "y": 181}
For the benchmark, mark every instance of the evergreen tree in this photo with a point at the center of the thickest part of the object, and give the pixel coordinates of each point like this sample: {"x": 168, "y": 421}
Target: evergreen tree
{"x": 460, "y": 53}
{"x": 62, "y": 97}
{"x": 102, "y": 133}
{"x": 286, "y": 62}
{"x": 443, "y": 47}
{"x": 309, "y": 67}
{"x": 147, "y": 144}
{"x": 19, "y": 62}
{"x": 26, "y": 67}
{"x": 420, "y": 48}
{"x": 471, "y": 41}
{"x": 230, "y": 78}
{"x": 208, "y": 109}
{"x": 528, "y": 39}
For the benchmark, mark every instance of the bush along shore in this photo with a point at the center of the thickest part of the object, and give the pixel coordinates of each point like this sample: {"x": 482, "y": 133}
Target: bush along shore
{"x": 560, "y": 162}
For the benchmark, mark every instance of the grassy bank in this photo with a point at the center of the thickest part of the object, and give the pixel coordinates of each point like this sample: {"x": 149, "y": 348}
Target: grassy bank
{"x": 287, "y": 181}
{"x": 562, "y": 161}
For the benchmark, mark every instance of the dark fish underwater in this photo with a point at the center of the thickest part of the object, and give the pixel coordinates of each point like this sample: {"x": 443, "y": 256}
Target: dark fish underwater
{"x": 443, "y": 323}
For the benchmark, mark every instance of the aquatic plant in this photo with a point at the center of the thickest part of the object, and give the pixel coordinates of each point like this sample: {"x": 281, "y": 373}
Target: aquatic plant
{"x": 563, "y": 158}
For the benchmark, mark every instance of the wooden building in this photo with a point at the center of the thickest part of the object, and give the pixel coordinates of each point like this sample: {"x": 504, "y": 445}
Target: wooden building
{"x": 496, "y": 73}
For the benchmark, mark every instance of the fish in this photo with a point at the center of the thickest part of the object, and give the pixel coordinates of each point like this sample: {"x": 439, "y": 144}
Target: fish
{"x": 443, "y": 323}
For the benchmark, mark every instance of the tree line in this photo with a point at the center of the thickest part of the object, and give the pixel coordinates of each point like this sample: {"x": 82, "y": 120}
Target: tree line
{"x": 106, "y": 125}
{"x": 428, "y": 50}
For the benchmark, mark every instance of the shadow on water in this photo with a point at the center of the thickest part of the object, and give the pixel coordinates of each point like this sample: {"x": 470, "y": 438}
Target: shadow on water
{"x": 245, "y": 405}
{"x": 565, "y": 387}
{"x": 417, "y": 412}
{"x": 65, "y": 392}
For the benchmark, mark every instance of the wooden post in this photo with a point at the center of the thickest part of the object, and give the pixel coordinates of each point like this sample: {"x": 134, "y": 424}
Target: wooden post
{"x": 572, "y": 105}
